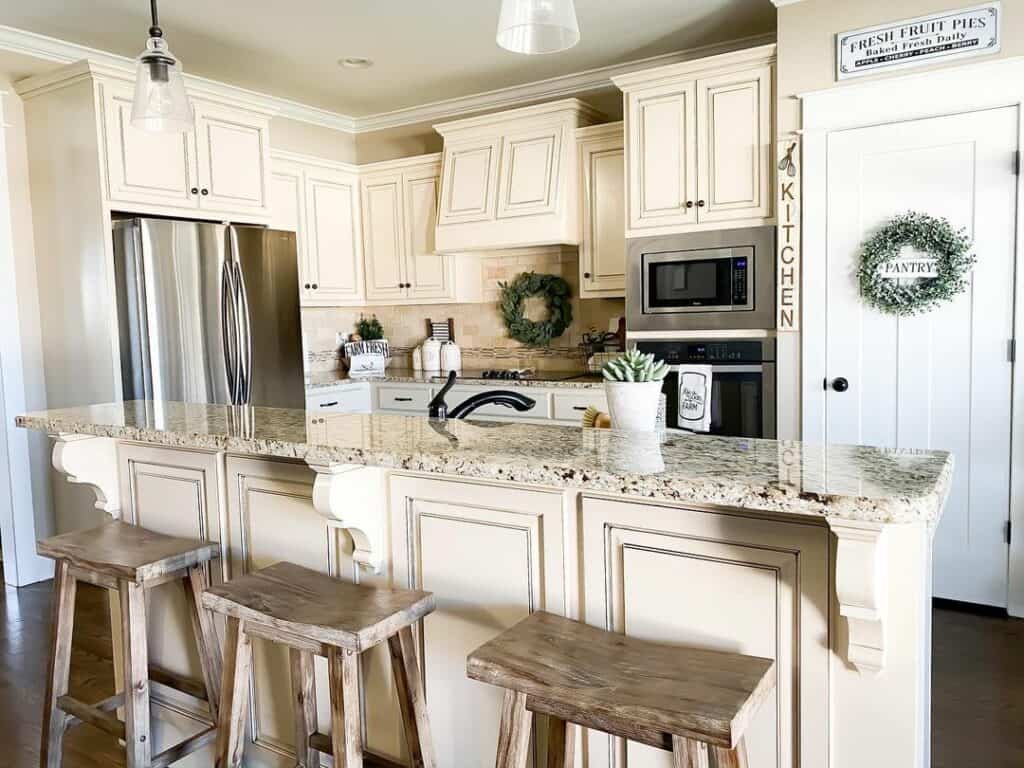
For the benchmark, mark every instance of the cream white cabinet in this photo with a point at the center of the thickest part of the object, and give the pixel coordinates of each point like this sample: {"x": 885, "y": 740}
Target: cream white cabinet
{"x": 510, "y": 179}
{"x": 319, "y": 201}
{"x": 698, "y": 143}
{"x": 697, "y": 578}
{"x": 220, "y": 167}
{"x": 602, "y": 211}
{"x": 403, "y": 266}
{"x": 491, "y": 555}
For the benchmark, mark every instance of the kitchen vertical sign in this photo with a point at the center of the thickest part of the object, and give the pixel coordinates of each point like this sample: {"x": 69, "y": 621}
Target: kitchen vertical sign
{"x": 787, "y": 279}
{"x": 945, "y": 35}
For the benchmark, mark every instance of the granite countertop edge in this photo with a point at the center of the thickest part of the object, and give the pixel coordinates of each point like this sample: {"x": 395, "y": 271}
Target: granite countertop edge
{"x": 330, "y": 379}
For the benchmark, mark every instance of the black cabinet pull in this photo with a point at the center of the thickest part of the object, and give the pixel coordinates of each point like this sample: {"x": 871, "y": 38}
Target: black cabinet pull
{"x": 205, "y": 191}
{"x": 689, "y": 203}
{"x": 586, "y": 275}
{"x": 329, "y": 405}
{"x": 315, "y": 286}
{"x": 700, "y": 203}
{"x": 307, "y": 286}
{"x": 195, "y": 190}
{"x": 579, "y": 407}
{"x": 403, "y": 399}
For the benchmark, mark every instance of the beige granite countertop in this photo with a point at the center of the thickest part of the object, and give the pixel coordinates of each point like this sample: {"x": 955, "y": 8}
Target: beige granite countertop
{"x": 856, "y": 483}
{"x": 326, "y": 379}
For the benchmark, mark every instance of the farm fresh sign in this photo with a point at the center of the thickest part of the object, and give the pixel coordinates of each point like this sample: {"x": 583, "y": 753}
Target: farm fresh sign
{"x": 947, "y": 35}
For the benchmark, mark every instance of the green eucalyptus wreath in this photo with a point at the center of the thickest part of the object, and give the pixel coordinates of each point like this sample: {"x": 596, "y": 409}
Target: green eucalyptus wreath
{"x": 556, "y": 294}
{"x": 933, "y": 236}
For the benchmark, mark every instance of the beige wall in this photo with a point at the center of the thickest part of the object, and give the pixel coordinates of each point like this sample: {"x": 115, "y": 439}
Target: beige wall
{"x": 806, "y": 37}
{"x": 308, "y": 139}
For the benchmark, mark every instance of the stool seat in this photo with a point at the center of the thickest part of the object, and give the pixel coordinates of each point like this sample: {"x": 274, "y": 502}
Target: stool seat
{"x": 127, "y": 552}
{"x": 305, "y": 603}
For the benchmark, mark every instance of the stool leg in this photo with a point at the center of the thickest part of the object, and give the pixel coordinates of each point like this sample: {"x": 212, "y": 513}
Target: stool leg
{"x": 234, "y": 695}
{"x": 346, "y": 728}
{"x": 731, "y": 758}
{"x": 136, "y": 675}
{"x": 205, "y": 633}
{"x": 304, "y": 699}
{"x": 411, "y": 699}
{"x": 687, "y": 753}
{"x": 514, "y": 736}
{"x": 54, "y": 720}
{"x": 561, "y": 743}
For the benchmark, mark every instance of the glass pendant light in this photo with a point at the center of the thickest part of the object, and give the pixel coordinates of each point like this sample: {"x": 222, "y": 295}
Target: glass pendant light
{"x": 537, "y": 26}
{"x": 160, "y": 102}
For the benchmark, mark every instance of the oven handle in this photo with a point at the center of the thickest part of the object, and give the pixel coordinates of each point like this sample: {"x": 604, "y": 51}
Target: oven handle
{"x": 729, "y": 368}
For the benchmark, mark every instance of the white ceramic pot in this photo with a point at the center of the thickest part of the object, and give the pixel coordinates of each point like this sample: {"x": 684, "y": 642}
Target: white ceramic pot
{"x": 431, "y": 352}
{"x": 633, "y": 405}
{"x": 451, "y": 357}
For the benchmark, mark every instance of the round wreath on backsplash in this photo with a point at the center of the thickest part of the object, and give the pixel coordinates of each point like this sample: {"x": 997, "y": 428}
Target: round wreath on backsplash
{"x": 556, "y": 295}
{"x": 937, "y": 239}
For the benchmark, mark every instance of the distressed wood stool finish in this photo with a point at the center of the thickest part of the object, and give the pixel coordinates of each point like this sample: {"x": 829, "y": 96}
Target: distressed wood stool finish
{"x": 695, "y": 703}
{"x": 128, "y": 560}
{"x": 315, "y": 614}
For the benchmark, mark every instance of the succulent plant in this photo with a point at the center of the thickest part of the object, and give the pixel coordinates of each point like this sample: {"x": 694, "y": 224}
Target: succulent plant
{"x": 635, "y": 366}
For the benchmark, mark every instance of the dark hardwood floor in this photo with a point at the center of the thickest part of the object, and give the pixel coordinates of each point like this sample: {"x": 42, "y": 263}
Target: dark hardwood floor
{"x": 977, "y": 688}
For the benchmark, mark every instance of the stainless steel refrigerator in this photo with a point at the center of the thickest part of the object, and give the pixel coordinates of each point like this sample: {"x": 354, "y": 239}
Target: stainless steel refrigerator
{"x": 208, "y": 313}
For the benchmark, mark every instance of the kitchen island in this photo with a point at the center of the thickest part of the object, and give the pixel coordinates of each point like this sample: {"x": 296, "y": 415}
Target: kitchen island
{"x": 817, "y": 557}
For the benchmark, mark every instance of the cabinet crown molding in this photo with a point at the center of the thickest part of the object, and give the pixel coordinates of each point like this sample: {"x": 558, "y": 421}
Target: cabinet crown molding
{"x": 320, "y": 162}
{"x": 563, "y": 108}
{"x": 417, "y": 161}
{"x": 723, "y": 62}
{"x": 602, "y": 131}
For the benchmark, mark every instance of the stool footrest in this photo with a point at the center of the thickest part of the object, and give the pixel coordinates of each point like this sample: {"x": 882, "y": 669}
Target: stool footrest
{"x": 96, "y": 715}
{"x": 186, "y": 747}
{"x": 180, "y": 683}
{"x": 322, "y": 743}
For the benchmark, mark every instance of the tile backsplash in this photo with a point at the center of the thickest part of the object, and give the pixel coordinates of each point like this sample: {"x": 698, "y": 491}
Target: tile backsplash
{"x": 479, "y": 328}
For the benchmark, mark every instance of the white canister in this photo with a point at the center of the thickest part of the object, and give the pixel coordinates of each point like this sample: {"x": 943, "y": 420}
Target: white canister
{"x": 451, "y": 357}
{"x": 417, "y": 359}
{"x": 431, "y": 355}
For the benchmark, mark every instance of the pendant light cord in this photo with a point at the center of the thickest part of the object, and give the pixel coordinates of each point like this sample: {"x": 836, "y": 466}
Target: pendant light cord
{"x": 155, "y": 31}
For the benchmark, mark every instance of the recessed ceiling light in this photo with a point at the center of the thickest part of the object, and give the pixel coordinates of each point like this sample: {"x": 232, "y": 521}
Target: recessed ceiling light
{"x": 355, "y": 62}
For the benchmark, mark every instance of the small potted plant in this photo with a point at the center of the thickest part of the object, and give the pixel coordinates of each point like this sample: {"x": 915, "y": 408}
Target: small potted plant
{"x": 633, "y": 384}
{"x": 368, "y": 340}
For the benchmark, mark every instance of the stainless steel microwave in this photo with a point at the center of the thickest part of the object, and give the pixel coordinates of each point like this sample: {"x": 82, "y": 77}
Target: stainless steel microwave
{"x": 702, "y": 281}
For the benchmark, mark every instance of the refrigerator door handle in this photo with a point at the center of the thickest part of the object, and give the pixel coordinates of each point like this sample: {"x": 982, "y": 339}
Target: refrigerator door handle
{"x": 243, "y": 322}
{"x": 229, "y": 329}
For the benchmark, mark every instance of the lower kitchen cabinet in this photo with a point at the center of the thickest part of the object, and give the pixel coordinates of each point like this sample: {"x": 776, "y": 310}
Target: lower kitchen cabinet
{"x": 724, "y": 582}
{"x": 491, "y": 555}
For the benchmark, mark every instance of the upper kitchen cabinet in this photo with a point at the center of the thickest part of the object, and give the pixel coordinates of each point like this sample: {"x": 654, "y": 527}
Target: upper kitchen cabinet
{"x": 698, "y": 143}
{"x": 510, "y": 179}
{"x": 403, "y": 264}
{"x": 218, "y": 168}
{"x": 319, "y": 201}
{"x": 602, "y": 211}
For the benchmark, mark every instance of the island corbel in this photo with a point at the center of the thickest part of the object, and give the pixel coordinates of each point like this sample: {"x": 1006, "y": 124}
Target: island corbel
{"x": 861, "y": 588}
{"x": 91, "y": 461}
{"x": 354, "y": 496}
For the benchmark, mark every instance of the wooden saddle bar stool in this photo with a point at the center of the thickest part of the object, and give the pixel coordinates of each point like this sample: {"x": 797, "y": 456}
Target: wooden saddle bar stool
{"x": 695, "y": 703}
{"x": 129, "y": 560}
{"x": 315, "y": 614}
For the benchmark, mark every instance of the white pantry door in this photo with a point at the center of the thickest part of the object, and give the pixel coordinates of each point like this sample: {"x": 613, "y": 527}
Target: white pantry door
{"x": 940, "y": 380}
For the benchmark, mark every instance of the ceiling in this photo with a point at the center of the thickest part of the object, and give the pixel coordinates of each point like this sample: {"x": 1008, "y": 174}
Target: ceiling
{"x": 424, "y": 50}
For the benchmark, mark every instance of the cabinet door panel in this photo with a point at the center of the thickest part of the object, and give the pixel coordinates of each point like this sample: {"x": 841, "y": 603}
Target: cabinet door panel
{"x": 232, "y": 150}
{"x": 662, "y": 159}
{"x": 142, "y": 166}
{"x": 444, "y": 531}
{"x": 471, "y": 172}
{"x": 528, "y": 182}
{"x": 603, "y": 238}
{"x": 427, "y": 270}
{"x": 287, "y": 212}
{"x": 335, "y": 250}
{"x": 383, "y": 224}
{"x": 697, "y": 579}
{"x": 733, "y": 145}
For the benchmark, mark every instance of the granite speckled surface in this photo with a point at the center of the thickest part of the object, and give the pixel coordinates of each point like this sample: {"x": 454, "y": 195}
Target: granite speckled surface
{"x": 845, "y": 482}
{"x": 555, "y": 380}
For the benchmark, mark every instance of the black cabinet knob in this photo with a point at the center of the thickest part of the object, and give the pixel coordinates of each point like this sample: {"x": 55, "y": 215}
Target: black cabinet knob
{"x": 586, "y": 275}
{"x": 195, "y": 190}
{"x": 700, "y": 203}
{"x": 314, "y": 286}
{"x": 307, "y": 286}
{"x": 689, "y": 203}
{"x": 205, "y": 191}
{"x": 840, "y": 384}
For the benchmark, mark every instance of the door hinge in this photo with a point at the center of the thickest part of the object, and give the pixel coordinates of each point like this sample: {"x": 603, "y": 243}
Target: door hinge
{"x": 824, "y": 383}
{"x": 1016, "y": 162}
{"x": 1009, "y": 531}
{"x": 1011, "y": 350}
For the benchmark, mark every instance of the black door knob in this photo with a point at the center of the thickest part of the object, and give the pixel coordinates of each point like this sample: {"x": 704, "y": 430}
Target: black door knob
{"x": 840, "y": 384}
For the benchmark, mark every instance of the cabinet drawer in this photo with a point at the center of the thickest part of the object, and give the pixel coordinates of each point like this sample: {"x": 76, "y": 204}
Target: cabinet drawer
{"x": 571, "y": 406}
{"x": 541, "y": 410}
{"x": 413, "y": 399}
{"x": 349, "y": 399}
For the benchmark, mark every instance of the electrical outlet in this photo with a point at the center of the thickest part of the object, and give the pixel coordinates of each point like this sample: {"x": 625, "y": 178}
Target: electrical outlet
{"x": 340, "y": 339}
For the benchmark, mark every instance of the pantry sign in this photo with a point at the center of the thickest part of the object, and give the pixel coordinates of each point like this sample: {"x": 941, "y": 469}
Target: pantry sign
{"x": 947, "y": 35}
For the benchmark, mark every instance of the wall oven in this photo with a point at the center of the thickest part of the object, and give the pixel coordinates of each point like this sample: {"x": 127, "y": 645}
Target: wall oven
{"x": 702, "y": 281}
{"x": 742, "y": 382}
